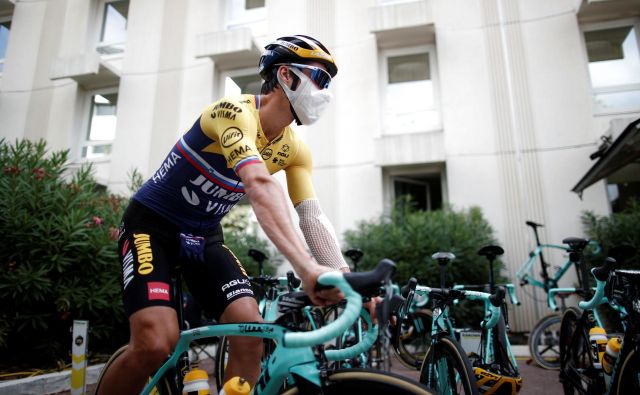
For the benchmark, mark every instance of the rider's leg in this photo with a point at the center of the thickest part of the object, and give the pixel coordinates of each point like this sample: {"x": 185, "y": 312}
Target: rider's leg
{"x": 154, "y": 333}
{"x": 244, "y": 352}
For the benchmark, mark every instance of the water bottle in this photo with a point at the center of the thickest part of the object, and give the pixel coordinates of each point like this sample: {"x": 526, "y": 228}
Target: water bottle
{"x": 598, "y": 340}
{"x": 196, "y": 382}
{"x": 611, "y": 354}
{"x": 236, "y": 386}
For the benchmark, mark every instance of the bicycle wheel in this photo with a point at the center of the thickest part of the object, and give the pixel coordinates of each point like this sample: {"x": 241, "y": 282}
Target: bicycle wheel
{"x": 164, "y": 386}
{"x": 446, "y": 369}
{"x": 628, "y": 380}
{"x": 577, "y": 373}
{"x": 371, "y": 382}
{"x": 222, "y": 357}
{"x": 414, "y": 338}
{"x": 544, "y": 342}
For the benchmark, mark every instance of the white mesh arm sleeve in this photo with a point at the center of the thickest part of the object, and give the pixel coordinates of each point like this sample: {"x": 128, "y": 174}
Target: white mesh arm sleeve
{"x": 320, "y": 235}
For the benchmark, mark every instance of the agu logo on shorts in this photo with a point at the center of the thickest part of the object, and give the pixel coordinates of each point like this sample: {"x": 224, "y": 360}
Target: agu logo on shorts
{"x": 158, "y": 291}
{"x": 145, "y": 256}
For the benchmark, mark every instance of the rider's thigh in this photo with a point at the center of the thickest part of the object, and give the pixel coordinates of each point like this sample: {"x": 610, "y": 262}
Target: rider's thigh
{"x": 154, "y": 334}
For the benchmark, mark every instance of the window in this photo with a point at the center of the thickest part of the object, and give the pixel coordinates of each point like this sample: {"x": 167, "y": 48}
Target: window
{"x": 247, "y": 13}
{"x": 5, "y": 27}
{"x": 113, "y": 35}
{"x": 424, "y": 192}
{"x": 252, "y": 4}
{"x": 245, "y": 81}
{"x": 614, "y": 66}
{"x": 410, "y": 95}
{"x": 422, "y": 186}
{"x": 101, "y": 126}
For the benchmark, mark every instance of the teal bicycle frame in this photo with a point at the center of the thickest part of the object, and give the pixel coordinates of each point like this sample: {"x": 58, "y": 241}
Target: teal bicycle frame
{"x": 489, "y": 356}
{"x": 294, "y": 353}
{"x": 441, "y": 325}
{"x": 525, "y": 272}
{"x": 597, "y": 300}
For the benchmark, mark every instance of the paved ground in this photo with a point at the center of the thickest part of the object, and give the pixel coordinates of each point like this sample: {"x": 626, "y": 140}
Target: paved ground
{"x": 535, "y": 379}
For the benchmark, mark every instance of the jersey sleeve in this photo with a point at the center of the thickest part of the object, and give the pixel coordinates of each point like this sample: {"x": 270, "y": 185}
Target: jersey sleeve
{"x": 233, "y": 129}
{"x": 298, "y": 174}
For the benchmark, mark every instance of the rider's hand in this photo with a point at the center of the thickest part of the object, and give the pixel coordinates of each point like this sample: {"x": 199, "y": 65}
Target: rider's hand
{"x": 324, "y": 297}
{"x": 370, "y": 306}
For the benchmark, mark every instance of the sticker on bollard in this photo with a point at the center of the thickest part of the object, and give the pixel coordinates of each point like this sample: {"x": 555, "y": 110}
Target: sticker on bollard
{"x": 78, "y": 357}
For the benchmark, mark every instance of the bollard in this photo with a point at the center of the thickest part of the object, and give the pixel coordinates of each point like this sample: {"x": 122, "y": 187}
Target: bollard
{"x": 78, "y": 357}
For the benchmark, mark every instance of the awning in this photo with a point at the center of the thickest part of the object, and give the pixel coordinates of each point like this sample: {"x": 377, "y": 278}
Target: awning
{"x": 621, "y": 158}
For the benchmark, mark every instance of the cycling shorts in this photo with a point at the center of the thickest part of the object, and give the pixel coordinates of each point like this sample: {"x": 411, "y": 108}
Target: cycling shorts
{"x": 149, "y": 248}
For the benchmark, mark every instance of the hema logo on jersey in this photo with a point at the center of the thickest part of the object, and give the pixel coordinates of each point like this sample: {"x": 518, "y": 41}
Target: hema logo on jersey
{"x": 158, "y": 291}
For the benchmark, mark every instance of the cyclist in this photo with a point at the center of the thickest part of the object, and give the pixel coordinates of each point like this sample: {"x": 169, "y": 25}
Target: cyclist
{"x": 231, "y": 150}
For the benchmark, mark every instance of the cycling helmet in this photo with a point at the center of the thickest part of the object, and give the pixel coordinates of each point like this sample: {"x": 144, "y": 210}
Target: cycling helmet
{"x": 295, "y": 49}
{"x": 494, "y": 384}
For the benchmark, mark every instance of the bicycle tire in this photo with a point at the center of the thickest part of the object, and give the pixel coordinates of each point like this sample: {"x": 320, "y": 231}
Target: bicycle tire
{"x": 369, "y": 381}
{"x": 221, "y": 361}
{"x": 628, "y": 379}
{"x": 501, "y": 356}
{"x": 412, "y": 347}
{"x": 448, "y": 354}
{"x": 577, "y": 373}
{"x": 163, "y": 387}
{"x": 222, "y": 356}
{"x": 544, "y": 342}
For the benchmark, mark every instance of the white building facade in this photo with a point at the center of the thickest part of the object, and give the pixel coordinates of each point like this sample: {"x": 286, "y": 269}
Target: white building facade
{"x": 489, "y": 103}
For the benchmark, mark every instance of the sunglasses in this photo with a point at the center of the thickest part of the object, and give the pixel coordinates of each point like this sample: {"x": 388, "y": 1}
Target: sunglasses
{"x": 318, "y": 75}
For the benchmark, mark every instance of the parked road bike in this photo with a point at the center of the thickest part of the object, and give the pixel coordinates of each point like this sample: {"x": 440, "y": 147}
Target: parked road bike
{"x": 299, "y": 363}
{"x": 412, "y": 338}
{"x": 493, "y": 362}
{"x": 544, "y": 337}
{"x": 445, "y": 366}
{"x": 583, "y": 370}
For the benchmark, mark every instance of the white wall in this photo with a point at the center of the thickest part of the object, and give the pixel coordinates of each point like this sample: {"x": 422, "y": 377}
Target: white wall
{"x": 514, "y": 91}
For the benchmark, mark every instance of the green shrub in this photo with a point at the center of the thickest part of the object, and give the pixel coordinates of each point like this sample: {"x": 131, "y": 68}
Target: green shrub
{"x": 58, "y": 256}
{"x": 409, "y": 238}
{"x": 616, "y": 229}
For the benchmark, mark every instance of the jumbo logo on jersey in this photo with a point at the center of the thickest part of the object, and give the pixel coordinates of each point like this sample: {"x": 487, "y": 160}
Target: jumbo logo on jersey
{"x": 231, "y": 136}
{"x": 225, "y": 110}
{"x": 142, "y": 241}
{"x": 213, "y": 190}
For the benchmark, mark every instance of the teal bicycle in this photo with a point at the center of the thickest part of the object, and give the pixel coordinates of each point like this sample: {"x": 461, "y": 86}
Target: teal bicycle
{"x": 582, "y": 370}
{"x": 446, "y": 366}
{"x": 299, "y": 363}
{"x": 544, "y": 343}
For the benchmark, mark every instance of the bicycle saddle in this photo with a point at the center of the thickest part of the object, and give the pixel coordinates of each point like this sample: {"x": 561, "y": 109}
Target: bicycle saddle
{"x": 354, "y": 254}
{"x": 257, "y": 255}
{"x": 575, "y": 243}
{"x": 491, "y": 251}
{"x": 534, "y": 225}
{"x": 443, "y": 257}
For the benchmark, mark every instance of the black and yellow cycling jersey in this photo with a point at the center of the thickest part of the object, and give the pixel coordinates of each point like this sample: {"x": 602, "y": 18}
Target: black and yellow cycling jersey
{"x": 197, "y": 183}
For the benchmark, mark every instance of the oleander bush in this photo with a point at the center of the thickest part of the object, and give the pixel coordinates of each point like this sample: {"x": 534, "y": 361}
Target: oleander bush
{"x": 57, "y": 256}
{"x": 409, "y": 237}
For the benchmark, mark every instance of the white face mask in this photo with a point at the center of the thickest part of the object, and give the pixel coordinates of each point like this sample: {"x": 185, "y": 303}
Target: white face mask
{"x": 308, "y": 101}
